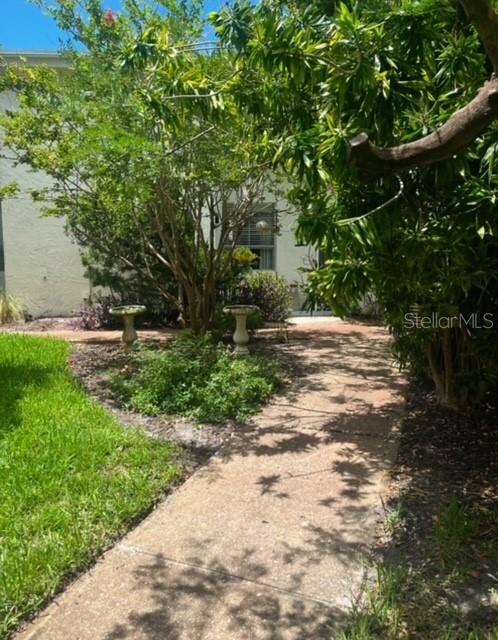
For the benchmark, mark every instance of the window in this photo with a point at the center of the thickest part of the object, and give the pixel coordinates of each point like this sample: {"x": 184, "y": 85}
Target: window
{"x": 260, "y": 242}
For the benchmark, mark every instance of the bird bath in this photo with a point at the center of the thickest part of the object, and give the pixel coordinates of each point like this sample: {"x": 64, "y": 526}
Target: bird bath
{"x": 241, "y": 337}
{"x": 128, "y": 313}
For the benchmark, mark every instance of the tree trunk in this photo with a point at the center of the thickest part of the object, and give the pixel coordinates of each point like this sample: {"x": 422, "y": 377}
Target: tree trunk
{"x": 451, "y": 138}
{"x": 444, "y": 355}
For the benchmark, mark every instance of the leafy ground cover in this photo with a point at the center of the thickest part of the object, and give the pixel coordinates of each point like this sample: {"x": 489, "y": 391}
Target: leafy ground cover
{"x": 437, "y": 571}
{"x": 71, "y": 479}
{"x": 192, "y": 377}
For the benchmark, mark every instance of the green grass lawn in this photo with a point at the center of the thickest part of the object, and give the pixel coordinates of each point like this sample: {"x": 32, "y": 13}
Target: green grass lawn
{"x": 71, "y": 479}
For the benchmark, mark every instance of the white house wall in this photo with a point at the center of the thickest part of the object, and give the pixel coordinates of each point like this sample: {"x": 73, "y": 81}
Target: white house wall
{"x": 290, "y": 258}
{"x": 42, "y": 266}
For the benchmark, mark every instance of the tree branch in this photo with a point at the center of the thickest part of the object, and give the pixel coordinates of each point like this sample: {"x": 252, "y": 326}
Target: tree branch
{"x": 456, "y": 134}
{"x": 482, "y": 15}
{"x": 384, "y": 205}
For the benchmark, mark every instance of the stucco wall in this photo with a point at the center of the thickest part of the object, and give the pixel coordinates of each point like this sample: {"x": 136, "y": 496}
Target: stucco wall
{"x": 290, "y": 258}
{"x": 42, "y": 265}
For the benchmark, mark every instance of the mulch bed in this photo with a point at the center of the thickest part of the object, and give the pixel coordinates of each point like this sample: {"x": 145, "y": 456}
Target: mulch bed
{"x": 93, "y": 364}
{"x": 444, "y": 457}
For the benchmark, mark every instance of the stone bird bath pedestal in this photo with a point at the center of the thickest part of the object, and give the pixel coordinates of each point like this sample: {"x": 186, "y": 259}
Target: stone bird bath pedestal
{"x": 128, "y": 313}
{"x": 240, "y": 336}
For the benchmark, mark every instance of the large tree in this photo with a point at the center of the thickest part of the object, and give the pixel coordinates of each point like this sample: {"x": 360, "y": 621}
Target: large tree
{"x": 405, "y": 74}
{"x": 323, "y": 44}
{"x": 153, "y": 170}
{"x": 462, "y": 127}
{"x": 282, "y": 33}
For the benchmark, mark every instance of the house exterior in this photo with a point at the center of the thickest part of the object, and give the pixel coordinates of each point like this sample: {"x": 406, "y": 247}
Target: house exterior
{"x": 41, "y": 265}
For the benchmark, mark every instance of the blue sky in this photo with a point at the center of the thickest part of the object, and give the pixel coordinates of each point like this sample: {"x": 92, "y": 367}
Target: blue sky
{"x": 24, "y": 27}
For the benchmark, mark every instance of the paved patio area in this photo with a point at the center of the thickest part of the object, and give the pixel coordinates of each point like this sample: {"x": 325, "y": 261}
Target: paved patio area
{"x": 58, "y": 328}
{"x": 268, "y": 540}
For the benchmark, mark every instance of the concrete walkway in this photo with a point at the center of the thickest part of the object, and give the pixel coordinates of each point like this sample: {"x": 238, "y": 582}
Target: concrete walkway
{"x": 267, "y": 541}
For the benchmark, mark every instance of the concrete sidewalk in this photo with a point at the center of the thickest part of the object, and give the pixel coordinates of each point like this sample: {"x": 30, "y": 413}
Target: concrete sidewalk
{"x": 267, "y": 541}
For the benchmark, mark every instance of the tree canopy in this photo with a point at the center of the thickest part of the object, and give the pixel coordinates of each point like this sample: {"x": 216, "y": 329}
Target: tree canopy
{"x": 318, "y": 75}
{"x": 352, "y": 49}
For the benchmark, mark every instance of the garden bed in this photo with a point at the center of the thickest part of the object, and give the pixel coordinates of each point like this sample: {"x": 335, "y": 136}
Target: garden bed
{"x": 438, "y": 561}
{"x": 102, "y": 369}
{"x": 59, "y": 323}
{"x": 95, "y": 364}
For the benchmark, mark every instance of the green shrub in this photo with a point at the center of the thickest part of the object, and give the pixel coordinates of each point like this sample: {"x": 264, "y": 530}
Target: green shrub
{"x": 235, "y": 388}
{"x": 269, "y": 291}
{"x": 196, "y": 379}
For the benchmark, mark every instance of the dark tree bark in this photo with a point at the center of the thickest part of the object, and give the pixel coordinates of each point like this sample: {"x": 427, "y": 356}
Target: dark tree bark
{"x": 482, "y": 15}
{"x": 457, "y": 133}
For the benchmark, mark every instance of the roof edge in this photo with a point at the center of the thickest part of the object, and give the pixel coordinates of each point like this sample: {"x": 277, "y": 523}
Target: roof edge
{"x": 35, "y": 58}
